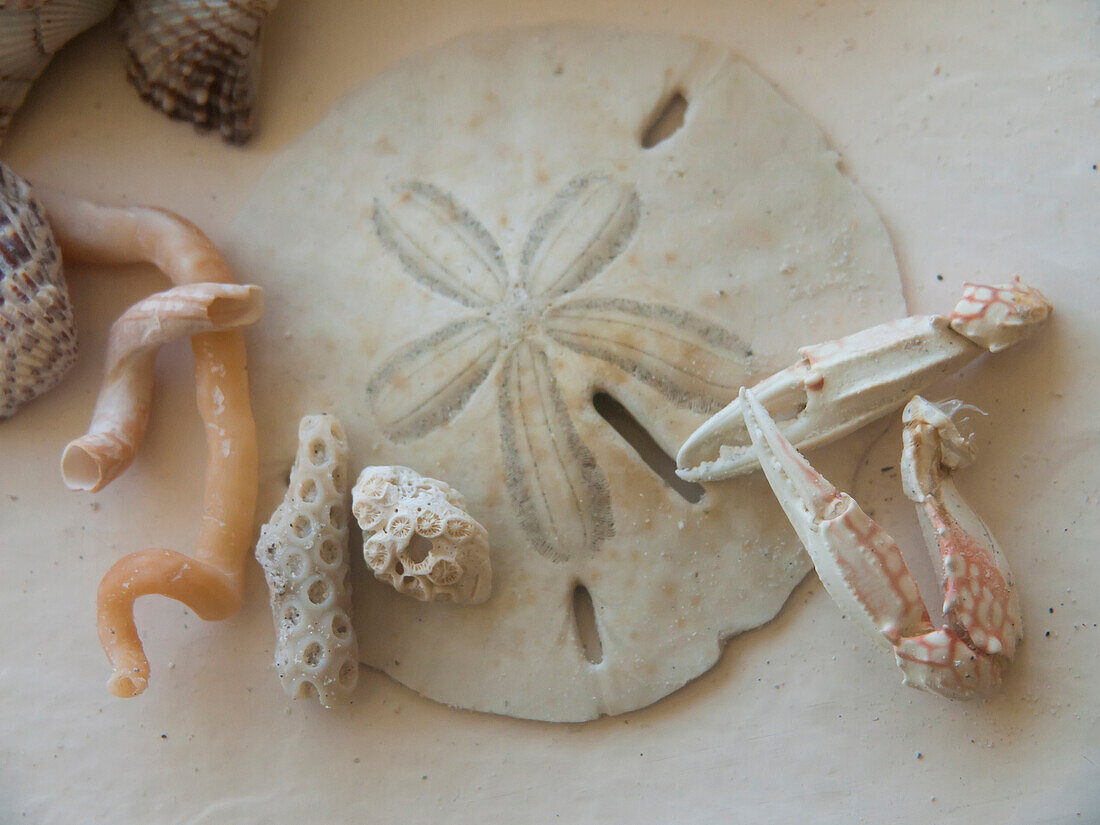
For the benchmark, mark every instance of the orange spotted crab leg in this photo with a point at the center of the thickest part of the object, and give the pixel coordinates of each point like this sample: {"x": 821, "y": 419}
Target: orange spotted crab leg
{"x": 863, "y": 570}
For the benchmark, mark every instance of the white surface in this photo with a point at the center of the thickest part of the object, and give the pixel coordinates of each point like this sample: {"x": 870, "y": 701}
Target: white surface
{"x": 972, "y": 127}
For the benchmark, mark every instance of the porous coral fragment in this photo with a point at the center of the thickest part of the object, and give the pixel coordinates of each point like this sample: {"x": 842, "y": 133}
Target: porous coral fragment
{"x": 419, "y": 537}
{"x": 303, "y": 551}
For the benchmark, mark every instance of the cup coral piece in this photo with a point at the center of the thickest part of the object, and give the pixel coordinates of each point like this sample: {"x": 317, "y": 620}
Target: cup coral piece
{"x": 419, "y": 537}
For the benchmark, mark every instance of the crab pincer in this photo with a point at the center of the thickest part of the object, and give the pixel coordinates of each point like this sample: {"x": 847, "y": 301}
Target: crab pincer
{"x": 863, "y": 570}
{"x": 838, "y": 386}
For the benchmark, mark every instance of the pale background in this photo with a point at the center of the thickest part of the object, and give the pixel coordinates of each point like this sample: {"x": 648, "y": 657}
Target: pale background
{"x": 975, "y": 130}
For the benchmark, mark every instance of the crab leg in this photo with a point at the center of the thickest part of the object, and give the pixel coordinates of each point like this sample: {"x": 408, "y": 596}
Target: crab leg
{"x": 838, "y": 386}
{"x": 980, "y": 600}
{"x": 863, "y": 570}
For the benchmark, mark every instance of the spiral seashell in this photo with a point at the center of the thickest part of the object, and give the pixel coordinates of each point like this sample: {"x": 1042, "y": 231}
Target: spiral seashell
{"x": 37, "y": 332}
{"x": 30, "y": 32}
{"x": 196, "y": 60}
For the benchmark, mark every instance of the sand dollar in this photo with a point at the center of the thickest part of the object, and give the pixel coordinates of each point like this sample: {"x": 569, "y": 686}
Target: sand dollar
{"x": 487, "y": 252}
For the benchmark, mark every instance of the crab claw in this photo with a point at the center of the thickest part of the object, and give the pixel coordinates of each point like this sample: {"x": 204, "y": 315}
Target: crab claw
{"x": 996, "y": 317}
{"x": 838, "y": 386}
{"x": 859, "y": 564}
{"x": 862, "y": 567}
{"x": 980, "y": 601}
{"x": 835, "y": 388}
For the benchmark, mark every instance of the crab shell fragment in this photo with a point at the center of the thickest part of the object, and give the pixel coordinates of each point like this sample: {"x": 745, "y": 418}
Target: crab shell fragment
{"x": 996, "y": 317}
{"x": 37, "y": 333}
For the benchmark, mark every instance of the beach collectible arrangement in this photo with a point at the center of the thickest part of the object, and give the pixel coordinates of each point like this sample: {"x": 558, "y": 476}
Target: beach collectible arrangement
{"x": 479, "y": 276}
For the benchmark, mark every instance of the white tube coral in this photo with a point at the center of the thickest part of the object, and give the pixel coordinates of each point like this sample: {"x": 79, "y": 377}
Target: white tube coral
{"x": 121, "y": 415}
{"x": 303, "y": 551}
{"x": 209, "y": 582}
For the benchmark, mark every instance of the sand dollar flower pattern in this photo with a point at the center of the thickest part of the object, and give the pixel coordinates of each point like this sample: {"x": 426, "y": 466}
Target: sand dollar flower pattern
{"x": 508, "y": 324}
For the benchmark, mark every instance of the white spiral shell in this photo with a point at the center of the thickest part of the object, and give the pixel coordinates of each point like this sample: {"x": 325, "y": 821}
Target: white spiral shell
{"x": 37, "y": 331}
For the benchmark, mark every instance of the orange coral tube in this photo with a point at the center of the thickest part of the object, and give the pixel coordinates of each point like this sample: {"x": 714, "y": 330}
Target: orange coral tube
{"x": 210, "y": 583}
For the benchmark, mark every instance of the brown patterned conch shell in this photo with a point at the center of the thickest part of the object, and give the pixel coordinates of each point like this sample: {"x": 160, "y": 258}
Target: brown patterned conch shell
{"x": 37, "y": 332}
{"x": 196, "y": 60}
{"x": 31, "y": 31}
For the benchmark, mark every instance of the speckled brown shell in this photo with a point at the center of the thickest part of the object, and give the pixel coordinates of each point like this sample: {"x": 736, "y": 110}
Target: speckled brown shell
{"x": 196, "y": 60}
{"x": 37, "y": 332}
